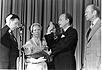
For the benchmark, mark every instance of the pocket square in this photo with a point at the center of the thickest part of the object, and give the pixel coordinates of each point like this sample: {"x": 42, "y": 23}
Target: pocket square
{"x": 62, "y": 36}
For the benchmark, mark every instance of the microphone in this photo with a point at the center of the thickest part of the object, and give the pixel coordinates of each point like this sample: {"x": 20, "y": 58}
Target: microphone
{"x": 21, "y": 27}
{"x": 22, "y": 49}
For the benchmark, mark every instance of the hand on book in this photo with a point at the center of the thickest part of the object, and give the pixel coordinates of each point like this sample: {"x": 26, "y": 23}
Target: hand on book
{"x": 48, "y": 52}
{"x": 33, "y": 60}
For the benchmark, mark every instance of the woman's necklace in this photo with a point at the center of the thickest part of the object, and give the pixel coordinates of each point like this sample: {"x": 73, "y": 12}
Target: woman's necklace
{"x": 37, "y": 42}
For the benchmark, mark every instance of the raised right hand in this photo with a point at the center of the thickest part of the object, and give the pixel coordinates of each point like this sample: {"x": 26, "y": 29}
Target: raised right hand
{"x": 51, "y": 26}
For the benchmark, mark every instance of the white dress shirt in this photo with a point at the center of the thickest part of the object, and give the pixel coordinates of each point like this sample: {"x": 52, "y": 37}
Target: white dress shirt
{"x": 94, "y": 22}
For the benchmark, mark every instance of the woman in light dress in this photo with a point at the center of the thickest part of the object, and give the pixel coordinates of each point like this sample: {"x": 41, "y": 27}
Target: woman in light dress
{"x": 34, "y": 60}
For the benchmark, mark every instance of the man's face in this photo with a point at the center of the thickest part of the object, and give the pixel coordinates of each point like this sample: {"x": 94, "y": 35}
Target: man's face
{"x": 14, "y": 23}
{"x": 62, "y": 21}
{"x": 89, "y": 13}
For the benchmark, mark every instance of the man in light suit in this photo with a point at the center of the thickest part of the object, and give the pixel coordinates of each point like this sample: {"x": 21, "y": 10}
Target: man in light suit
{"x": 65, "y": 44}
{"x": 8, "y": 43}
{"x": 92, "y": 56}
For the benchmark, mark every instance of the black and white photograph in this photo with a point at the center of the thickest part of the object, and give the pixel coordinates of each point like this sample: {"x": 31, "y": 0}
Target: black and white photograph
{"x": 50, "y": 35}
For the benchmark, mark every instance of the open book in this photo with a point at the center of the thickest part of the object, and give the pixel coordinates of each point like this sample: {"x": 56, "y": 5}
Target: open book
{"x": 39, "y": 54}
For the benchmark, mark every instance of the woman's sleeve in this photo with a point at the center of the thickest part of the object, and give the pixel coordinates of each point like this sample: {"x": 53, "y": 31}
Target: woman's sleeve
{"x": 27, "y": 48}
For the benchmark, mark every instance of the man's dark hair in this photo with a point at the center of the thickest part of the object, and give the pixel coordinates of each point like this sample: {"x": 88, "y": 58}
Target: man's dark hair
{"x": 13, "y": 17}
{"x": 68, "y": 16}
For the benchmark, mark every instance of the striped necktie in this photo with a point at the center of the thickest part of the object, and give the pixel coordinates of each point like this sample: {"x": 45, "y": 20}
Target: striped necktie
{"x": 89, "y": 30}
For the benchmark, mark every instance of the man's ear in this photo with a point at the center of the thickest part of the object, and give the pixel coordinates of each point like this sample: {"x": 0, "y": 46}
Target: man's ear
{"x": 67, "y": 20}
{"x": 94, "y": 12}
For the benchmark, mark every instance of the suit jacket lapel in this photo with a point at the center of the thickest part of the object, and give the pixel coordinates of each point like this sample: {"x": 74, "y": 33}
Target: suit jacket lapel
{"x": 94, "y": 29}
{"x": 14, "y": 41}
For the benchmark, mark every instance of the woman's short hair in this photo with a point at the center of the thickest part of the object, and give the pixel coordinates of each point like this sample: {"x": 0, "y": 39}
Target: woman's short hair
{"x": 35, "y": 24}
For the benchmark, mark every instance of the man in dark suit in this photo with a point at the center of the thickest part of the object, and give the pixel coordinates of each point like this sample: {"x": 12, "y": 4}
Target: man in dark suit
{"x": 64, "y": 45}
{"x": 8, "y": 43}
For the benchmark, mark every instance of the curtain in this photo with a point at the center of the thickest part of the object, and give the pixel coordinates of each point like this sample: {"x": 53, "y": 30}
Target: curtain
{"x": 44, "y": 11}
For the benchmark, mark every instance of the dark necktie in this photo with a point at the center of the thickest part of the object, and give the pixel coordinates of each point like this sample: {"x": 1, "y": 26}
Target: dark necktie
{"x": 63, "y": 31}
{"x": 88, "y": 32}
{"x": 11, "y": 33}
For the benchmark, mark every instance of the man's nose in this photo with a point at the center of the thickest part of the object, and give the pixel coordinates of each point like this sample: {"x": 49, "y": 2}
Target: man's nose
{"x": 85, "y": 14}
{"x": 58, "y": 22}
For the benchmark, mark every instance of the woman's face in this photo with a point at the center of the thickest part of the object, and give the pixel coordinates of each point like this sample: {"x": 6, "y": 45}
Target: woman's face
{"x": 36, "y": 31}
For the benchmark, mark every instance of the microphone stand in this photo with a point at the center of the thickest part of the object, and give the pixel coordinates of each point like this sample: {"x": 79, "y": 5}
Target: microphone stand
{"x": 21, "y": 53}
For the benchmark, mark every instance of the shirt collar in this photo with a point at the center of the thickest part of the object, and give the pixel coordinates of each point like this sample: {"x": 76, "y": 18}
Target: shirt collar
{"x": 94, "y": 22}
{"x": 66, "y": 28}
{"x": 10, "y": 31}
